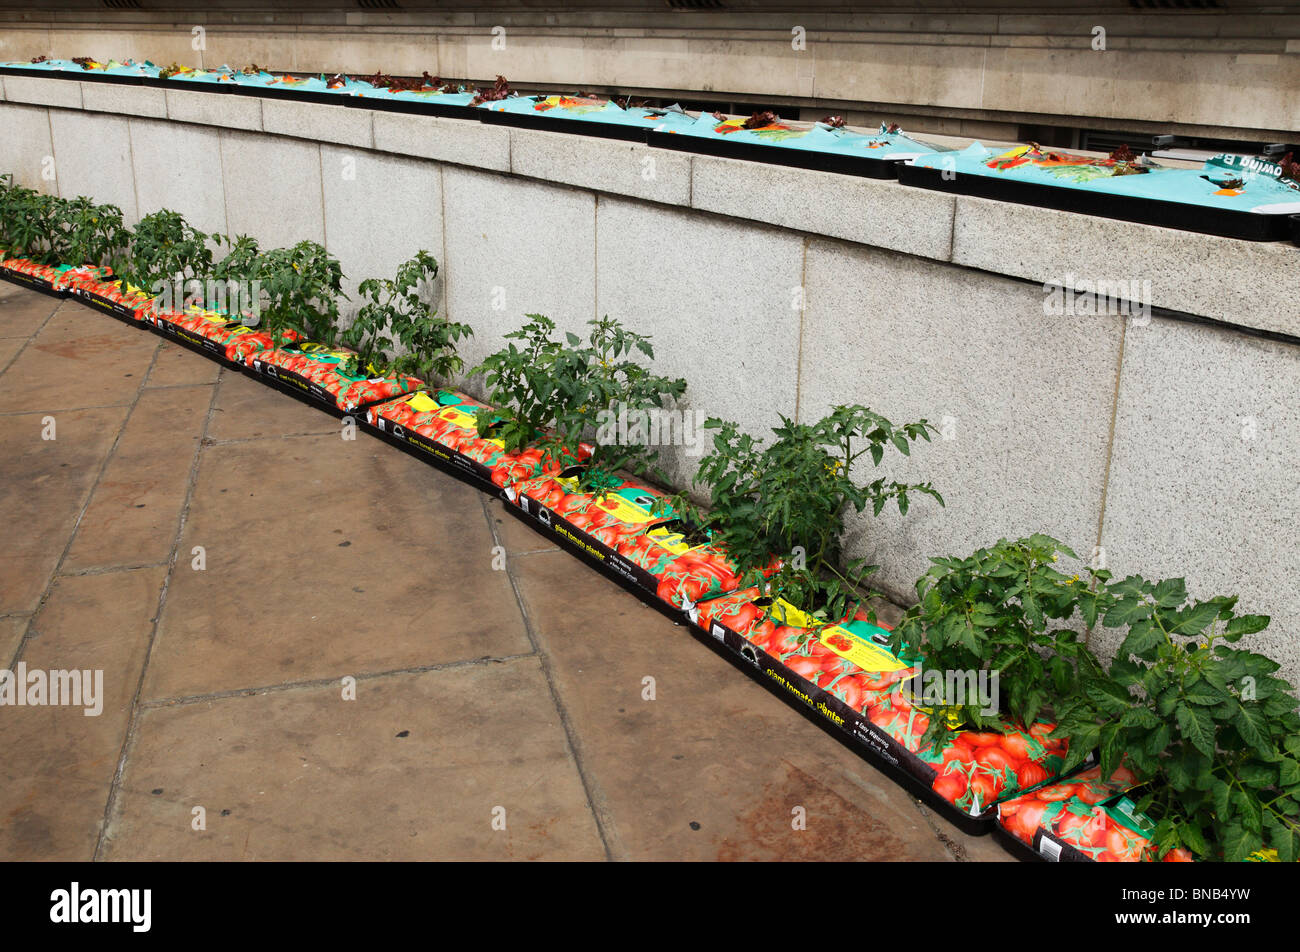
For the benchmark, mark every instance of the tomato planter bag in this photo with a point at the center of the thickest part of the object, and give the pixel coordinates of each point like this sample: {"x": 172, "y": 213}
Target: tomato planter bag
{"x": 48, "y": 279}
{"x": 443, "y": 424}
{"x": 215, "y": 334}
{"x": 846, "y": 674}
{"x": 596, "y": 522}
{"x": 112, "y": 296}
{"x": 318, "y": 371}
{"x": 1084, "y": 819}
{"x": 617, "y": 526}
{"x": 684, "y": 564}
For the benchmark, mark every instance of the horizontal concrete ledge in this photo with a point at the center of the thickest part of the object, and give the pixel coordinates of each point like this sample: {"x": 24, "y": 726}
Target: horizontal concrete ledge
{"x": 38, "y": 91}
{"x": 605, "y": 165}
{"x": 457, "y": 141}
{"x": 883, "y": 214}
{"x": 319, "y": 121}
{"x": 226, "y": 110}
{"x": 149, "y": 102}
{"x": 1246, "y": 283}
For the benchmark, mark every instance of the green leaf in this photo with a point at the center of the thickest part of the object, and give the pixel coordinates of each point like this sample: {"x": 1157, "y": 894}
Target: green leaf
{"x": 1197, "y": 727}
{"x": 1245, "y": 625}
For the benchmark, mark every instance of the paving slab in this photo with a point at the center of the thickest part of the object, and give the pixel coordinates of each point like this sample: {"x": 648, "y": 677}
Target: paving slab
{"x": 11, "y": 633}
{"x": 59, "y": 763}
{"x": 248, "y": 409}
{"x": 22, "y": 311}
{"x": 79, "y": 359}
{"x": 411, "y": 770}
{"x": 43, "y": 487}
{"x": 179, "y": 366}
{"x": 713, "y": 767}
{"x": 517, "y": 538}
{"x": 327, "y": 557}
{"x": 9, "y": 348}
{"x": 135, "y": 509}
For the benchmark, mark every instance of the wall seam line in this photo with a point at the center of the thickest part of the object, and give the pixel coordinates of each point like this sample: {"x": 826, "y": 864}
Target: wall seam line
{"x": 54, "y": 153}
{"x": 320, "y": 170}
{"x": 595, "y": 257}
{"x": 1110, "y": 453}
{"x": 803, "y": 310}
{"x": 135, "y": 179}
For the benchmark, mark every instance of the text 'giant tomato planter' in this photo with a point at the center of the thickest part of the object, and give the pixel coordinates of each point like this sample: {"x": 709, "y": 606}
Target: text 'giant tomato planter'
{"x": 847, "y": 675}
{"x": 319, "y": 372}
{"x": 442, "y": 424}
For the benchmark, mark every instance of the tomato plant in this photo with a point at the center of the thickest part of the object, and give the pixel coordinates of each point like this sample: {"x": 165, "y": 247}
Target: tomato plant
{"x": 998, "y": 610}
{"x": 301, "y": 287}
{"x": 1209, "y": 726}
{"x": 791, "y": 497}
{"x": 553, "y": 393}
{"x": 166, "y": 250}
{"x": 96, "y": 234}
{"x": 397, "y": 313}
{"x": 31, "y": 224}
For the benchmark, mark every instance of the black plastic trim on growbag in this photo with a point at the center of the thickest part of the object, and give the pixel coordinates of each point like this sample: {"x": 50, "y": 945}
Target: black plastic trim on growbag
{"x": 863, "y": 166}
{"x": 288, "y": 92}
{"x": 414, "y": 107}
{"x": 427, "y": 451}
{"x": 594, "y": 561}
{"x": 170, "y": 83}
{"x": 426, "y": 448}
{"x": 1224, "y": 223}
{"x": 584, "y": 127}
{"x": 852, "y": 728}
{"x": 33, "y": 283}
{"x": 196, "y": 342}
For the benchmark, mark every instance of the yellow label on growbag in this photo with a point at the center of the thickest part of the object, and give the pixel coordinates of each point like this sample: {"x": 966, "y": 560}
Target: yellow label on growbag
{"x": 862, "y": 651}
{"x": 672, "y": 540}
{"x": 629, "y": 505}
{"x": 422, "y": 403}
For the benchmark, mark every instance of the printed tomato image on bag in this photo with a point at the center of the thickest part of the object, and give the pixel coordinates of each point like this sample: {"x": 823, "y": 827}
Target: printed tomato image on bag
{"x": 116, "y": 297}
{"x": 1084, "y": 818}
{"x": 329, "y": 375}
{"x": 846, "y": 673}
{"x": 442, "y": 424}
{"x": 688, "y": 564}
{"x": 216, "y": 333}
{"x": 604, "y": 523}
{"x": 48, "y": 279}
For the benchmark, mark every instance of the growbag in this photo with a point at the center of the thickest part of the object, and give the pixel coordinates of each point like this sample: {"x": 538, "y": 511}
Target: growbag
{"x": 443, "y": 424}
{"x": 617, "y": 526}
{"x": 114, "y": 296}
{"x": 319, "y": 372}
{"x": 215, "y": 334}
{"x": 1084, "y": 818}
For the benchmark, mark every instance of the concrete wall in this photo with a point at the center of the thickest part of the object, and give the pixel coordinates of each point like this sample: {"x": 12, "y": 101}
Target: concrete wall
{"x": 1172, "y": 446}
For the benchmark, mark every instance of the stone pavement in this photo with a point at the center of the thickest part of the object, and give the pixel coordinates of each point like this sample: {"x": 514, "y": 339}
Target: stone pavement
{"x": 227, "y": 560}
